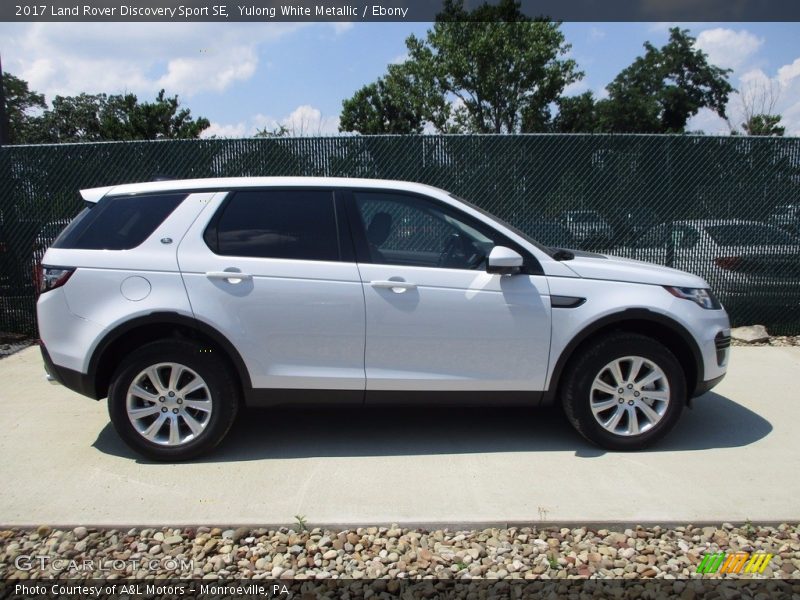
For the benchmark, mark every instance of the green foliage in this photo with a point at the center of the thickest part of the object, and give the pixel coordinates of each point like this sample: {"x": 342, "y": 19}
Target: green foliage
{"x": 400, "y": 102}
{"x": 21, "y": 105}
{"x": 302, "y": 524}
{"x": 576, "y": 114}
{"x": 663, "y": 89}
{"x": 100, "y": 117}
{"x": 489, "y": 70}
{"x": 95, "y": 117}
{"x": 768, "y": 125}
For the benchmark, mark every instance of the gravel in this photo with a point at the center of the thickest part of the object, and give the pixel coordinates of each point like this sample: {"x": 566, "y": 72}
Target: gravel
{"x": 774, "y": 340}
{"x": 394, "y": 552}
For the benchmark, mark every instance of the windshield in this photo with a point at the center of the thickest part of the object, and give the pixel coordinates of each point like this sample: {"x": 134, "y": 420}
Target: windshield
{"x": 547, "y": 250}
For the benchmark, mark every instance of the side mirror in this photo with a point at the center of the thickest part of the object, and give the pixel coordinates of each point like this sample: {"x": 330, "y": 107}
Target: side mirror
{"x": 503, "y": 261}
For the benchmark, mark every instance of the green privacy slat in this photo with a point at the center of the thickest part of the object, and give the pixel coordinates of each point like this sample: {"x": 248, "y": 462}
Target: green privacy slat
{"x": 596, "y": 192}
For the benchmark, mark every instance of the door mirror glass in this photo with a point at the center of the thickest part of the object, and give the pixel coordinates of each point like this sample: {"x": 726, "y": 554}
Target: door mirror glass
{"x": 503, "y": 261}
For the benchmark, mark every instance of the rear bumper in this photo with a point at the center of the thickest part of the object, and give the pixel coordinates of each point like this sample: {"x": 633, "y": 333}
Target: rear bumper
{"x": 73, "y": 380}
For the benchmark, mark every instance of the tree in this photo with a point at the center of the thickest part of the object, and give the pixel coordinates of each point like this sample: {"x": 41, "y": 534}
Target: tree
{"x": 489, "y": 70}
{"x": 576, "y": 114}
{"x": 21, "y": 106}
{"x": 758, "y": 99}
{"x": 401, "y": 102}
{"x": 99, "y": 117}
{"x": 663, "y": 89}
{"x": 764, "y": 125}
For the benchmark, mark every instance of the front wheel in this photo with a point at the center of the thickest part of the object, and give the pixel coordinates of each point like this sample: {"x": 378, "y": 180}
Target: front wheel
{"x": 624, "y": 391}
{"x": 170, "y": 400}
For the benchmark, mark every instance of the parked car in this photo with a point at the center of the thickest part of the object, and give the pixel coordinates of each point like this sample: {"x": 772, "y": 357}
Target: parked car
{"x": 550, "y": 233}
{"x": 740, "y": 259}
{"x": 786, "y": 217}
{"x": 182, "y": 300}
{"x": 588, "y": 227}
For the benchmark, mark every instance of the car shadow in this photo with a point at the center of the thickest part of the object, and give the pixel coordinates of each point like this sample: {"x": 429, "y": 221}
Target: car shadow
{"x": 302, "y": 432}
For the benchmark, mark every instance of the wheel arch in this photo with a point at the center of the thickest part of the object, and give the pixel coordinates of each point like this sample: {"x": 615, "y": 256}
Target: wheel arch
{"x": 636, "y": 320}
{"x": 158, "y": 326}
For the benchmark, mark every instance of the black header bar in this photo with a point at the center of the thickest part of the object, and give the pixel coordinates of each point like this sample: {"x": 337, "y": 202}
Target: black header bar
{"x": 262, "y": 11}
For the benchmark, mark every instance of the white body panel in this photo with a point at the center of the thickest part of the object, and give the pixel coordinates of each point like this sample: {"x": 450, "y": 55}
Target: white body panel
{"x": 455, "y": 330}
{"x": 296, "y": 323}
{"x": 300, "y": 324}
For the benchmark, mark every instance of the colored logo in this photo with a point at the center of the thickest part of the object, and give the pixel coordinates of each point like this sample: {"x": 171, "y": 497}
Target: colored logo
{"x": 740, "y": 562}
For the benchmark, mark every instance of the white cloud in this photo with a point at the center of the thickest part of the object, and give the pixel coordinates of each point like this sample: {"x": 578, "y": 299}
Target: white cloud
{"x": 219, "y": 71}
{"x": 237, "y": 130}
{"x": 340, "y": 27}
{"x": 781, "y": 92}
{"x": 184, "y": 58}
{"x": 596, "y": 34}
{"x": 788, "y": 74}
{"x": 576, "y": 87}
{"x": 709, "y": 122}
{"x": 728, "y": 48}
{"x": 305, "y": 120}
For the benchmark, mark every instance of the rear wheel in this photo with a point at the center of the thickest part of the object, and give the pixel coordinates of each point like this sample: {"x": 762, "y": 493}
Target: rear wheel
{"x": 171, "y": 400}
{"x": 624, "y": 391}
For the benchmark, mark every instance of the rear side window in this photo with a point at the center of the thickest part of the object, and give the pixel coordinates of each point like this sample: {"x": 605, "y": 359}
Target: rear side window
{"x": 292, "y": 224}
{"x": 118, "y": 222}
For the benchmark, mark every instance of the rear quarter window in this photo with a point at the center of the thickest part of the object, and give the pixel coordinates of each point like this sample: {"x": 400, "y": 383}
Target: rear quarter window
{"x": 118, "y": 222}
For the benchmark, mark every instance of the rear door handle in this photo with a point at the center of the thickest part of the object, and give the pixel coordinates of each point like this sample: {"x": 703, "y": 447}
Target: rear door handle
{"x": 230, "y": 276}
{"x": 398, "y": 287}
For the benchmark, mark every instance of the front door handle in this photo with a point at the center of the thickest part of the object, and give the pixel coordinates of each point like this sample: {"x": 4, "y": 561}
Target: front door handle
{"x": 398, "y": 287}
{"x": 229, "y": 276}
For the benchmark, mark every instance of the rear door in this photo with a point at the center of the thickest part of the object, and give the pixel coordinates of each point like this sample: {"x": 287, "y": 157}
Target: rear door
{"x": 273, "y": 270}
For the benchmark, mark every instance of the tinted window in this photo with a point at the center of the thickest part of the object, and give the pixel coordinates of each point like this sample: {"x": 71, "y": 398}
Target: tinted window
{"x": 654, "y": 238}
{"x": 296, "y": 224}
{"x": 685, "y": 237}
{"x": 118, "y": 223}
{"x": 750, "y": 235}
{"x": 406, "y": 230}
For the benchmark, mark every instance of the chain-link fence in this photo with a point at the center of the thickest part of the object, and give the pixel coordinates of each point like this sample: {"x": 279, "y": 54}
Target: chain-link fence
{"x": 725, "y": 208}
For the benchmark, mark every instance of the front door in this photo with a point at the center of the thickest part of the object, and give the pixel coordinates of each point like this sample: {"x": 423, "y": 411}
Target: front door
{"x": 436, "y": 320}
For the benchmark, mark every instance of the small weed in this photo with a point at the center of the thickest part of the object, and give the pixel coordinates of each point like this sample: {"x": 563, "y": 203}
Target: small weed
{"x": 552, "y": 560}
{"x": 461, "y": 566}
{"x": 301, "y": 522}
{"x": 748, "y": 530}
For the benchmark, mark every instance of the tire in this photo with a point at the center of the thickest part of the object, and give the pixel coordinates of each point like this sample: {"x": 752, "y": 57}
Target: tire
{"x": 652, "y": 408}
{"x": 203, "y": 417}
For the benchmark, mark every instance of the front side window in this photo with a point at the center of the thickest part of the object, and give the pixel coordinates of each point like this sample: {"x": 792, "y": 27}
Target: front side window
{"x": 408, "y": 230}
{"x": 291, "y": 224}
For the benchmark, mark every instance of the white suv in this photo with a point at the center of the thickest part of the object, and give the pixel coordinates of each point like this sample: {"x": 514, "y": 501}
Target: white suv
{"x": 182, "y": 300}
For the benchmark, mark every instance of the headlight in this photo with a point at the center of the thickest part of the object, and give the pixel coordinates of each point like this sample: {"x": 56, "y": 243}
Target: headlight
{"x": 700, "y": 296}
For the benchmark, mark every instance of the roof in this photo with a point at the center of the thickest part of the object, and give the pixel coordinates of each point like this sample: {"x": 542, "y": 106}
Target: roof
{"x": 222, "y": 183}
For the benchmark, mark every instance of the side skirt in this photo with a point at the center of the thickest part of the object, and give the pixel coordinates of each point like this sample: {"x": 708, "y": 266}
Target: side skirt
{"x": 277, "y": 397}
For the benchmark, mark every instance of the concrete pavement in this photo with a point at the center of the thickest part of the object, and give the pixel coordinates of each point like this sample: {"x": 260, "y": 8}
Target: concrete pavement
{"x": 733, "y": 457}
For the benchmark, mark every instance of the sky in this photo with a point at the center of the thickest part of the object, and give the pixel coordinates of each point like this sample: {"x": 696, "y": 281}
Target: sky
{"x": 248, "y": 76}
